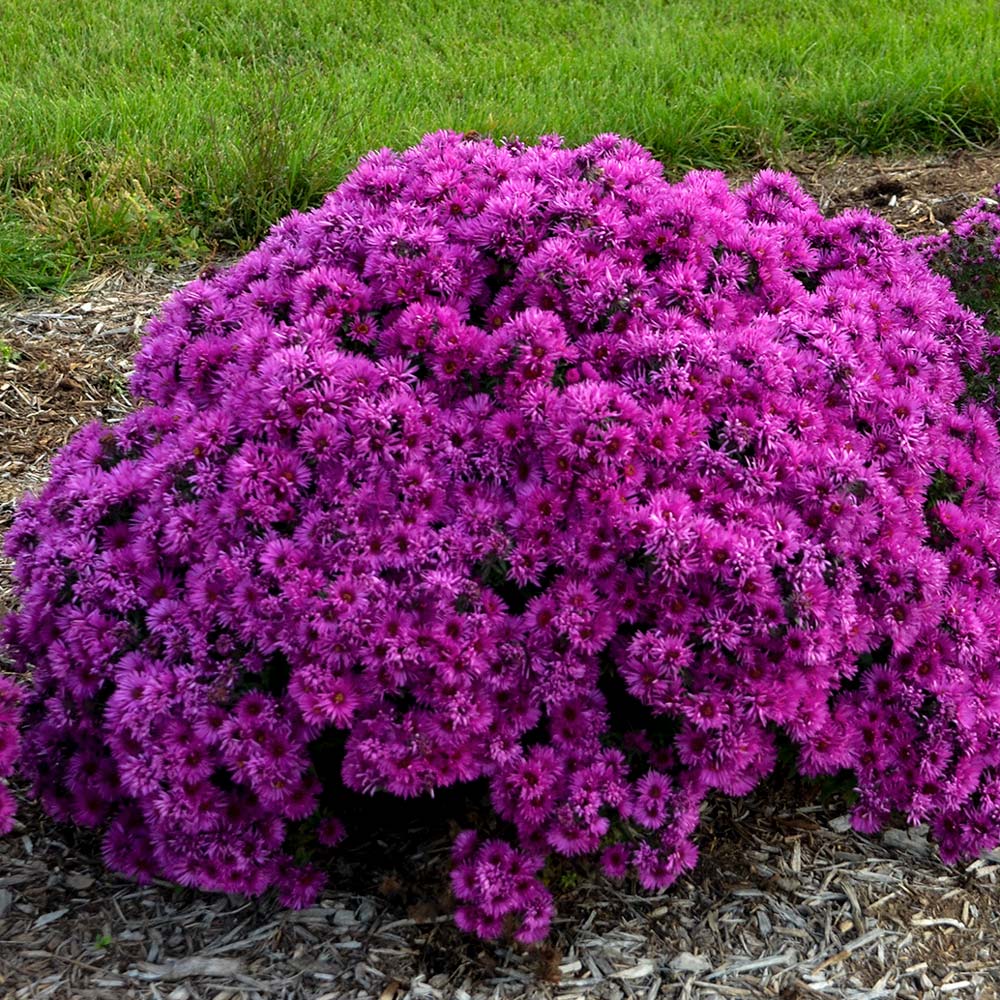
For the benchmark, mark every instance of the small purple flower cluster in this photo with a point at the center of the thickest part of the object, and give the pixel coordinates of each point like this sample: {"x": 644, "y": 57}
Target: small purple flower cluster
{"x": 968, "y": 255}
{"x": 10, "y": 715}
{"x": 496, "y": 884}
{"x": 520, "y": 463}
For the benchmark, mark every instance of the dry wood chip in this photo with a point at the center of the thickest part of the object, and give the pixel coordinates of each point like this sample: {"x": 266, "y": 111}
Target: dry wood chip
{"x": 913, "y": 840}
{"x": 686, "y": 962}
{"x": 193, "y": 965}
{"x": 937, "y": 922}
{"x": 640, "y": 971}
{"x": 739, "y": 968}
{"x": 49, "y": 918}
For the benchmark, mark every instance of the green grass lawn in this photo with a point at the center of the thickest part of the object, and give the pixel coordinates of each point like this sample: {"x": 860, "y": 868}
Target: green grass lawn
{"x": 164, "y": 129}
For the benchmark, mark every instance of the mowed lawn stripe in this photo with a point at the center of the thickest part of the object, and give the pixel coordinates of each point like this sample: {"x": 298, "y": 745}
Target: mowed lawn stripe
{"x": 165, "y": 129}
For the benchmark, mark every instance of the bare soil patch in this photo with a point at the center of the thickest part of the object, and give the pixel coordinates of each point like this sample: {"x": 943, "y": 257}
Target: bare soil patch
{"x": 787, "y": 902}
{"x": 916, "y": 194}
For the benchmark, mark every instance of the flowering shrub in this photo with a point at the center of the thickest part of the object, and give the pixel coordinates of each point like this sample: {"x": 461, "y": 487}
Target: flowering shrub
{"x": 520, "y": 463}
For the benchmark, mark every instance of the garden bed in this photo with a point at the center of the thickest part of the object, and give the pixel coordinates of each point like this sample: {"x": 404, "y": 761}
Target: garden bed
{"x": 786, "y": 901}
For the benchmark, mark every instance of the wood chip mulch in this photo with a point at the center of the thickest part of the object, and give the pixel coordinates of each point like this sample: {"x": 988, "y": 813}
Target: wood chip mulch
{"x": 786, "y": 902}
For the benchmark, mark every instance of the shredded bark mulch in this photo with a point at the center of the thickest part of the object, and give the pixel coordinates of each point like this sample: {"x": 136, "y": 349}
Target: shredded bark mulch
{"x": 786, "y": 902}
{"x": 916, "y": 194}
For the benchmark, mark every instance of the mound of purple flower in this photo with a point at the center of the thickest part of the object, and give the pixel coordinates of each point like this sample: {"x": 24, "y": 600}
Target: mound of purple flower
{"x": 520, "y": 463}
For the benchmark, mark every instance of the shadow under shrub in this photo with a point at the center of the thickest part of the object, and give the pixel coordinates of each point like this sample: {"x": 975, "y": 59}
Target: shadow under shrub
{"x": 520, "y": 464}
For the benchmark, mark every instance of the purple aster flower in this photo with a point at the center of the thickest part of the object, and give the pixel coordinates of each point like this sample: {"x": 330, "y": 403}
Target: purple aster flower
{"x": 615, "y": 861}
